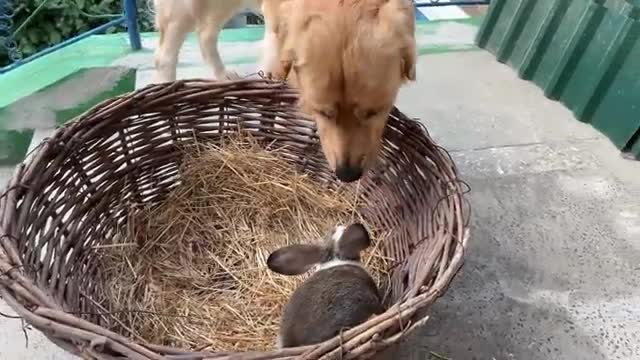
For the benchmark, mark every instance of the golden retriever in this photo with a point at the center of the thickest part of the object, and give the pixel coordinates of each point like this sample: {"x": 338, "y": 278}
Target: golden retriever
{"x": 176, "y": 18}
{"x": 348, "y": 59}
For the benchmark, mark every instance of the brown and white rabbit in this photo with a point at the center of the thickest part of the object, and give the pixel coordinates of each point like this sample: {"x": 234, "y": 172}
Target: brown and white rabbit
{"x": 339, "y": 295}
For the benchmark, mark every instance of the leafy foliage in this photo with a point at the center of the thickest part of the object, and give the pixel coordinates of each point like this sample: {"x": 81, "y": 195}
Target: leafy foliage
{"x": 38, "y": 24}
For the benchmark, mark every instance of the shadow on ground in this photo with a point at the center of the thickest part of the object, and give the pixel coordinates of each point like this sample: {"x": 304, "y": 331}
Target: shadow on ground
{"x": 551, "y": 274}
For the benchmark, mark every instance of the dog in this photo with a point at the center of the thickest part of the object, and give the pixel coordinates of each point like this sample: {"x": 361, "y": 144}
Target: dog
{"x": 348, "y": 60}
{"x": 176, "y": 18}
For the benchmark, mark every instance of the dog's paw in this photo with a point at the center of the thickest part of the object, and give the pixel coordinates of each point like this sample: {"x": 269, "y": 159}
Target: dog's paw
{"x": 163, "y": 77}
{"x": 275, "y": 75}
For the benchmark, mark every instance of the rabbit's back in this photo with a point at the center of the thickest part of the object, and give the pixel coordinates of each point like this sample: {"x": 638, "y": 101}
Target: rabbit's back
{"x": 330, "y": 300}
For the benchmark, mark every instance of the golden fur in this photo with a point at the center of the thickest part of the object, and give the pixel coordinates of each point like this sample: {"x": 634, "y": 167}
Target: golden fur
{"x": 176, "y": 18}
{"x": 348, "y": 58}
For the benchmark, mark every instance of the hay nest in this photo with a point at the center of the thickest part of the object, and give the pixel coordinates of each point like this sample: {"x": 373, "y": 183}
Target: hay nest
{"x": 191, "y": 271}
{"x": 95, "y": 185}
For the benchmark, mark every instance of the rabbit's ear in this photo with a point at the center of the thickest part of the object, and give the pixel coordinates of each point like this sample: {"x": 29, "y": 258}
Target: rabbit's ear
{"x": 352, "y": 240}
{"x": 295, "y": 259}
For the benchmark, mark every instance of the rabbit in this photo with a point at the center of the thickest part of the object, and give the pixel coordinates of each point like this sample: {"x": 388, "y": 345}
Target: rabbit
{"x": 339, "y": 295}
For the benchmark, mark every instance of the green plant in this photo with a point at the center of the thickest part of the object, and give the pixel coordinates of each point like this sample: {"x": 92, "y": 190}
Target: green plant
{"x": 38, "y": 24}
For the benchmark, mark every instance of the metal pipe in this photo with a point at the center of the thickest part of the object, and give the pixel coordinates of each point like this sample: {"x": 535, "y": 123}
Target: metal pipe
{"x": 65, "y": 43}
{"x": 131, "y": 14}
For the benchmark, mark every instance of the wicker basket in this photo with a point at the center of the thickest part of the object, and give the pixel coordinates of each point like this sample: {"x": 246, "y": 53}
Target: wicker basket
{"x": 75, "y": 188}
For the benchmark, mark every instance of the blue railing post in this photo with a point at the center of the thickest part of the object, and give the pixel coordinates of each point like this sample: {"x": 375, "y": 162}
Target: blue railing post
{"x": 131, "y": 13}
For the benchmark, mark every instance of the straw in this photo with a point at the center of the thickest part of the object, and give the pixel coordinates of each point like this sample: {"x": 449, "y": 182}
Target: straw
{"x": 191, "y": 271}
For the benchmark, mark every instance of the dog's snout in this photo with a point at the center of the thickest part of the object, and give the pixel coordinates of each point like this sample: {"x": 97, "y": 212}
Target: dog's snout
{"x": 347, "y": 173}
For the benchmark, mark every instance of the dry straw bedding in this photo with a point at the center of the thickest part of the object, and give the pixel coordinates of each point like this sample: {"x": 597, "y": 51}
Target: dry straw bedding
{"x": 191, "y": 271}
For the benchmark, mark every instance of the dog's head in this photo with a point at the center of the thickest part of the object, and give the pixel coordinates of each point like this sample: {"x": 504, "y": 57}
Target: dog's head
{"x": 349, "y": 64}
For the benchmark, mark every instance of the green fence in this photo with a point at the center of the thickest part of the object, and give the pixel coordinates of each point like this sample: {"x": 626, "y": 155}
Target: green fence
{"x": 584, "y": 53}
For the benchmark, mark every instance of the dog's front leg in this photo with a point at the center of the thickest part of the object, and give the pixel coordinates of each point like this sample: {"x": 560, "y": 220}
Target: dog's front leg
{"x": 172, "y": 35}
{"x": 208, "y": 40}
{"x": 273, "y": 36}
{"x": 270, "y": 59}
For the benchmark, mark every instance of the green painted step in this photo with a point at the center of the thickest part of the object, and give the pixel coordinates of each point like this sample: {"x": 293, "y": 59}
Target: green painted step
{"x": 106, "y": 50}
{"x": 56, "y": 104}
{"x": 13, "y": 146}
{"x": 584, "y": 53}
{"x": 42, "y": 94}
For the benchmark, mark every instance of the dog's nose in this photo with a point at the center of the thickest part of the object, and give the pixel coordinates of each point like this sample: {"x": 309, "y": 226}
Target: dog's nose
{"x": 348, "y": 173}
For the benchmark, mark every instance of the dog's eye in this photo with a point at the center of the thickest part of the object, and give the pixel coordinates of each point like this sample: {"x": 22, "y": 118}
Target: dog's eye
{"x": 366, "y": 114}
{"x": 328, "y": 113}
{"x": 370, "y": 113}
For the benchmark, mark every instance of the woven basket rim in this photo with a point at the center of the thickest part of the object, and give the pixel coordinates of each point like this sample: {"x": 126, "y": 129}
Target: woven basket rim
{"x": 37, "y": 306}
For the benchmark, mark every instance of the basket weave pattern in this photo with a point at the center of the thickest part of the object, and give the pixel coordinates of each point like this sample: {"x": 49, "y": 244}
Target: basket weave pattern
{"x": 76, "y": 190}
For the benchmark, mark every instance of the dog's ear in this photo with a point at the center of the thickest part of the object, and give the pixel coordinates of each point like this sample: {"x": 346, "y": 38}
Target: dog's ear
{"x": 409, "y": 58}
{"x": 288, "y": 57}
{"x": 287, "y": 54}
{"x": 309, "y": 19}
{"x": 286, "y": 64}
{"x": 287, "y": 61}
{"x": 399, "y": 16}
